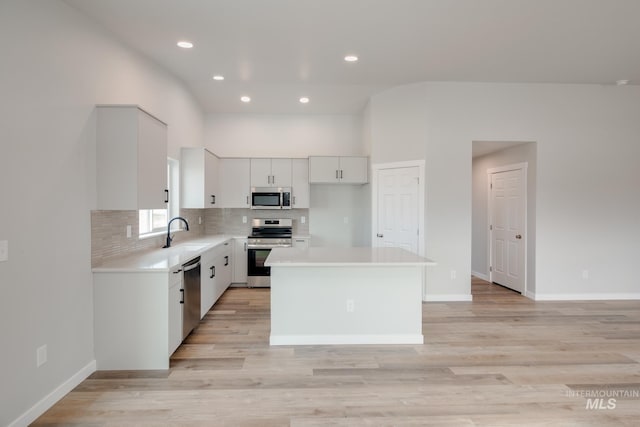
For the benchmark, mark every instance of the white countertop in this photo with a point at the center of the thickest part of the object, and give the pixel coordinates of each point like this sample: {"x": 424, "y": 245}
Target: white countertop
{"x": 161, "y": 259}
{"x": 325, "y": 257}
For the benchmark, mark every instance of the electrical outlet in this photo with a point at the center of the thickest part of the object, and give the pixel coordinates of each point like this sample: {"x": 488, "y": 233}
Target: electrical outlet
{"x": 351, "y": 306}
{"x": 585, "y": 274}
{"x": 4, "y": 250}
{"x": 128, "y": 231}
{"x": 199, "y": 220}
{"x": 244, "y": 219}
{"x": 41, "y": 355}
{"x": 453, "y": 274}
{"x": 303, "y": 219}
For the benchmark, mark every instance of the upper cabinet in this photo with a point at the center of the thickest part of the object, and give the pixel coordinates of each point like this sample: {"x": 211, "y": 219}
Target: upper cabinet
{"x": 300, "y": 183}
{"x": 199, "y": 186}
{"x": 235, "y": 183}
{"x": 131, "y": 158}
{"x": 270, "y": 172}
{"x": 331, "y": 170}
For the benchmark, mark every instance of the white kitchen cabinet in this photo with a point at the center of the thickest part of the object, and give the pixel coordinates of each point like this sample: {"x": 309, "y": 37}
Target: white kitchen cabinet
{"x": 131, "y": 159}
{"x": 240, "y": 260}
{"x": 332, "y": 170}
{"x": 135, "y": 325}
{"x": 175, "y": 309}
{"x": 301, "y": 242}
{"x": 224, "y": 270}
{"x": 215, "y": 275}
{"x": 300, "y": 183}
{"x": 207, "y": 281}
{"x": 270, "y": 172}
{"x": 198, "y": 178}
{"x": 235, "y": 183}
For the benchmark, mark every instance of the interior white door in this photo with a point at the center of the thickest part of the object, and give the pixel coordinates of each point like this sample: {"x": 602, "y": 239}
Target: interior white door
{"x": 507, "y": 229}
{"x": 397, "y": 224}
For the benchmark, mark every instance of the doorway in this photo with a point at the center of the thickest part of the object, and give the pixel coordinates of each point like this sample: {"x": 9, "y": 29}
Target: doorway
{"x": 489, "y": 251}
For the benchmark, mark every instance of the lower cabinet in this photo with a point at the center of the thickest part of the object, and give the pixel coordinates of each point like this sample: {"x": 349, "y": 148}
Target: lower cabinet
{"x": 240, "y": 260}
{"x": 137, "y": 318}
{"x": 175, "y": 309}
{"x": 138, "y": 314}
{"x": 301, "y": 242}
{"x": 207, "y": 281}
{"x": 215, "y": 275}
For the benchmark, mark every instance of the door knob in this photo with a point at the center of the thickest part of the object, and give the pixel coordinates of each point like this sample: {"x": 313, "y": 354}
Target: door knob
{"x": 518, "y": 236}
{"x": 379, "y": 235}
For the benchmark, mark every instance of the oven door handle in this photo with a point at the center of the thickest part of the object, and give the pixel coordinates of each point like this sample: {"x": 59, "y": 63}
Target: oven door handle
{"x": 250, "y": 246}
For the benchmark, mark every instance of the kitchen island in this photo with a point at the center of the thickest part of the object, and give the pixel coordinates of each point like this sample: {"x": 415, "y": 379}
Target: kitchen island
{"x": 355, "y": 295}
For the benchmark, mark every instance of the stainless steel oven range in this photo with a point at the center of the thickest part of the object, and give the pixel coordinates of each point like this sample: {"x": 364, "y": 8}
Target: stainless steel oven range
{"x": 266, "y": 234}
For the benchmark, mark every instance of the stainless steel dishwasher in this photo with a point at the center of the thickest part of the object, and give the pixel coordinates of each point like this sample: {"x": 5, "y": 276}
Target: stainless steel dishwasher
{"x": 190, "y": 296}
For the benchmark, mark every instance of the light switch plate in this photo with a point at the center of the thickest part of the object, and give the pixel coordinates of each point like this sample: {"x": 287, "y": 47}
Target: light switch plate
{"x": 303, "y": 219}
{"x": 4, "y": 250}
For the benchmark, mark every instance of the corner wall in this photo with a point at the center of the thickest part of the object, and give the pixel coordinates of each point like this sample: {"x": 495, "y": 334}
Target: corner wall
{"x": 50, "y": 81}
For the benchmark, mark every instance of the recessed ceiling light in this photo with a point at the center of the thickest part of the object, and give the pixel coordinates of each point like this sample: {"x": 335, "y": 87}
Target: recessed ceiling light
{"x": 185, "y": 44}
{"x": 351, "y": 58}
{"x": 622, "y": 82}
{"x": 245, "y": 99}
{"x": 304, "y": 100}
{"x": 218, "y": 77}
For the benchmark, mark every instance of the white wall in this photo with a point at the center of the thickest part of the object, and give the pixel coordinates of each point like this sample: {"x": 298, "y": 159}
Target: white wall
{"x": 283, "y": 135}
{"x": 525, "y": 153}
{"x": 339, "y": 215}
{"x": 587, "y": 151}
{"x": 56, "y": 65}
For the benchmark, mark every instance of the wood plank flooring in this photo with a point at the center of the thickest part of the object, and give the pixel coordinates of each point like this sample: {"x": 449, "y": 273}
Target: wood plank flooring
{"x": 500, "y": 360}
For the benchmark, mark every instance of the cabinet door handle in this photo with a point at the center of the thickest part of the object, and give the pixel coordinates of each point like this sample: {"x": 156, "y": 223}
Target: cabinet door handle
{"x": 213, "y": 271}
{"x": 213, "y": 199}
{"x": 245, "y": 246}
{"x": 247, "y": 200}
{"x": 341, "y": 173}
{"x": 177, "y": 271}
{"x": 336, "y": 173}
{"x": 226, "y": 260}
{"x": 166, "y": 196}
{"x": 518, "y": 236}
{"x": 182, "y": 296}
{"x": 379, "y": 235}
{"x": 294, "y": 200}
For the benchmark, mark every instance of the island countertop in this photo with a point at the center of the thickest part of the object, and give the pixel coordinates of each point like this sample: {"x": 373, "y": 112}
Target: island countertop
{"x": 336, "y": 257}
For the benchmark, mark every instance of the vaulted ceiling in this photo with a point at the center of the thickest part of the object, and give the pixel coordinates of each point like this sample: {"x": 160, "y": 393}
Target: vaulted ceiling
{"x": 276, "y": 51}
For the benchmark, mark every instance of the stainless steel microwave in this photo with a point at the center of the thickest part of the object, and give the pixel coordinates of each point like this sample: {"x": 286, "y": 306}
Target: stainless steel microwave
{"x": 271, "y": 198}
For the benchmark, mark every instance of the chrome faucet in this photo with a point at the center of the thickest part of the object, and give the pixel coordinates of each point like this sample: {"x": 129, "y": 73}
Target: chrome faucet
{"x": 169, "y": 238}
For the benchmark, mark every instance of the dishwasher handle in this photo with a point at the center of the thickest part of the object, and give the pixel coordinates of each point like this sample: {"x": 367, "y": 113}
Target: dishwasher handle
{"x": 194, "y": 263}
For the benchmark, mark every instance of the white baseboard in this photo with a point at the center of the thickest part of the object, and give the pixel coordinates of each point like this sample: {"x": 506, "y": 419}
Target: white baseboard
{"x": 345, "y": 339}
{"x": 480, "y": 275}
{"x": 448, "y": 298}
{"x": 49, "y": 400}
{"x": 585, "y": 297}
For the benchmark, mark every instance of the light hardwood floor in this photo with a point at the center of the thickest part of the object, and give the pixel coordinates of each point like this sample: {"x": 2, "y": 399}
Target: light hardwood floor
{"x": 500, "y": 360}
